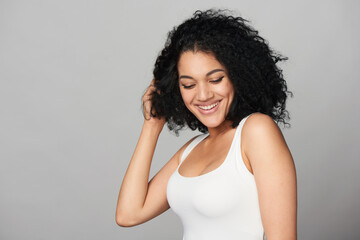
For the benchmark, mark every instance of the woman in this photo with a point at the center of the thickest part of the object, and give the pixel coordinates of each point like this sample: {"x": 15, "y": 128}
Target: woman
{"x": 237, "y": 180}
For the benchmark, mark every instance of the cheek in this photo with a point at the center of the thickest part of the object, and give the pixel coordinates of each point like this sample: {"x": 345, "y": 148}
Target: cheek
{"x": 186, "y": 97}
{"x": 226, "y": 90}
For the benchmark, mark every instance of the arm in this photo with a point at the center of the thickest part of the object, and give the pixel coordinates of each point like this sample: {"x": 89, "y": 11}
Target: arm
{"x": 140, "y": 200}
{"x": 275, "y": 176}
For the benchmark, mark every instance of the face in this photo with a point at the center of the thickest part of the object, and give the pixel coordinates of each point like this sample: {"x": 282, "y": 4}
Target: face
{"x": 205, "y": 87}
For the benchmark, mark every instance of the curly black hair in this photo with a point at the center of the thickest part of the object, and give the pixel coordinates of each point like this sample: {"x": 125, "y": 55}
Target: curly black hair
{"x": 250, "y": 63}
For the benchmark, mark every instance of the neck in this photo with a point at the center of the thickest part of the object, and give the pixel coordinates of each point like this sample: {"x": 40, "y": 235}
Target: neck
{"x": 219, "y": 130}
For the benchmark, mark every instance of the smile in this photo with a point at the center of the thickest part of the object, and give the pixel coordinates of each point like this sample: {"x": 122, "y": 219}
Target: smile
{"x": 208, "y": 107}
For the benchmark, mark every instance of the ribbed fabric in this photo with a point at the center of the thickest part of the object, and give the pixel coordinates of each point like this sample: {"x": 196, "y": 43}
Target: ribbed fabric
{"x": 221, "y": 204}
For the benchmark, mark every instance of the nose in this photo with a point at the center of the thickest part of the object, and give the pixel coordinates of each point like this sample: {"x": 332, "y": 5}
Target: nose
{"x": 204, "y": 92}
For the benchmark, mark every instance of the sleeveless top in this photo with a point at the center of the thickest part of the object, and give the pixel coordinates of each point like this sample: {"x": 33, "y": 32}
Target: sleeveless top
{"x": 221, "y": 204}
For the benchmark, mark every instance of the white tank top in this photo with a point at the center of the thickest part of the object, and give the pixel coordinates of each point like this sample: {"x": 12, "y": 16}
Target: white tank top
{"x": 221, "y": 204}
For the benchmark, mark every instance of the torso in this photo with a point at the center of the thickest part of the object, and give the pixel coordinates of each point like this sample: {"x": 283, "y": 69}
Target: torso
{"x": 207, "y": 156}
{"x": 212, "y": 190}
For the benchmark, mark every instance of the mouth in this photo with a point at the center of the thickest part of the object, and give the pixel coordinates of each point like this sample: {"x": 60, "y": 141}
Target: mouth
{"x": 206, "y": 109}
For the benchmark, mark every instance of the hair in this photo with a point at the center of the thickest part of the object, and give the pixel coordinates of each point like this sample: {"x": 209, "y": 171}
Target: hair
{"x": 250, "y": 63}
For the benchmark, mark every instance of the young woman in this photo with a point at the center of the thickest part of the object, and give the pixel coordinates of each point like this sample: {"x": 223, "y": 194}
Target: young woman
{"x": 237, "y": 180}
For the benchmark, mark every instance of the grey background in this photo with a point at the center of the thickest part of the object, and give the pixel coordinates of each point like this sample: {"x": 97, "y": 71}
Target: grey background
{"x": 72, "y": 75}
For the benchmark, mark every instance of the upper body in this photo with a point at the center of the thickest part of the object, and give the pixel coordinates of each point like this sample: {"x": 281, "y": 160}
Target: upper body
{"x": 220, "y": 204}
{"x": 209, "y": 98}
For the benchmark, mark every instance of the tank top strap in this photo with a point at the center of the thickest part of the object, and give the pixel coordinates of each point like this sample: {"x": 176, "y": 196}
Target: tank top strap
{"x": 191, "y": 146}
{"x": 237, "y": 149}
{"x": 240, "y": 126}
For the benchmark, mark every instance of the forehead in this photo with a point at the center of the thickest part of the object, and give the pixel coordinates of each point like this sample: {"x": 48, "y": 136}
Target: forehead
{"x": 197, "y": 63}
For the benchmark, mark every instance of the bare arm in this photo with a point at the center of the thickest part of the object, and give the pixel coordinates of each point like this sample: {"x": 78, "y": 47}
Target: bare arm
{"x": 275, "y": 177}
{"x": 140, "y": 200}
{"x": 135, "y": 183}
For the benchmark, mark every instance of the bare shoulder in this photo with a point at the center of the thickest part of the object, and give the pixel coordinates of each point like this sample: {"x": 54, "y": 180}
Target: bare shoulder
{"x": 258, "y": 124}
{"x": 180, "y": 152}
{"x": 274, "y": 174}
{"x": 261, "y": 134}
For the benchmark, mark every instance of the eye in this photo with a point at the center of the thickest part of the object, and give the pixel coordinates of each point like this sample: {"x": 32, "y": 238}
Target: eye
{"x": 188, "y": 86}
{"x": 217, "y": 80}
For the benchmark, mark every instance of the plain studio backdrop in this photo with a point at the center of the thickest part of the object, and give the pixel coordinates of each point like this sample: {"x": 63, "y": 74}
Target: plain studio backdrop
{"x": 72, "y": 75}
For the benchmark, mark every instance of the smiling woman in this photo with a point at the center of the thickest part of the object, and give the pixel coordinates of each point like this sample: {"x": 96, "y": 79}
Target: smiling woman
{"x": 237, "y": 180}
{"x": 205, "y": 87}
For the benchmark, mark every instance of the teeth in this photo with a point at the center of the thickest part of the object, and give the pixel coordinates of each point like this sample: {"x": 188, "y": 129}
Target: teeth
{"x": 209, "y": 107}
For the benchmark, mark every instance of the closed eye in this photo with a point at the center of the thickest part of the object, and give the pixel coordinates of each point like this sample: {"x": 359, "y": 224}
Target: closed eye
{"x": 188, "y": 86}
{"x": 218, "y": 80}
{"x": 192, "y": 85}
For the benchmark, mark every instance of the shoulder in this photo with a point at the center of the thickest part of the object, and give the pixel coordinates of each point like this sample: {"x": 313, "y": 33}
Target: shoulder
{"x": 259, "y": 125}
{"x": 258, "y": 122}
{"x": 274, "y": 174}
{"x": 260, "y": 133}
{"x": 180, "y": 152}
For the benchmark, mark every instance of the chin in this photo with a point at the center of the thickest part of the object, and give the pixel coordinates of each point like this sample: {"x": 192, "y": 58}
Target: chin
{"x": 213, "y": 123}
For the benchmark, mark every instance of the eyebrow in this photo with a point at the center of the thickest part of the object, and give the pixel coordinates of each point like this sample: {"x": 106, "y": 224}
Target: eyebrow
{"x": 208, "y": 74}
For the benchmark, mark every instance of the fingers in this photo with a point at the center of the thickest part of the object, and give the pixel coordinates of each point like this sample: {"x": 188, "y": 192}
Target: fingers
{"x": 147, "y": 104}
{"x": 150, "y": 90}
{"x": 152, "y": 85}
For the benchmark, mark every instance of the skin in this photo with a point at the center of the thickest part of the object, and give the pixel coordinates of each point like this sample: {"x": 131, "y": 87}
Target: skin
{"x": 203, "y": 81}
{"x": 263, "y": 149}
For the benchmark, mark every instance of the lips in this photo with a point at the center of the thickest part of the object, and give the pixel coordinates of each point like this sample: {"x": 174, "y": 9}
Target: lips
{"x": 208, "y": 108}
